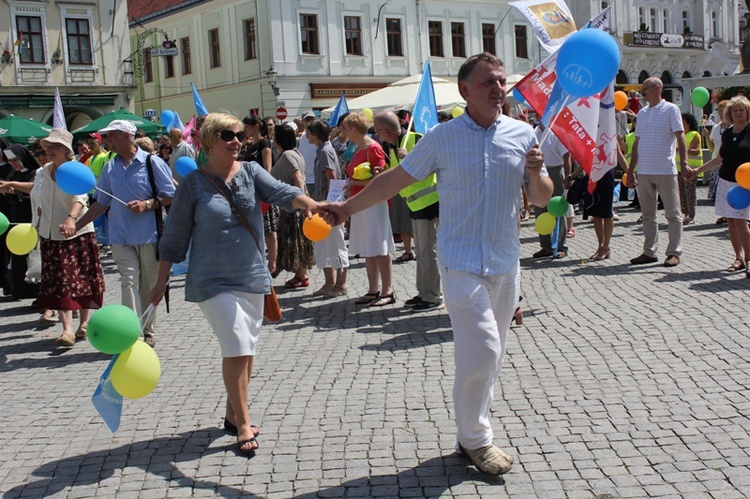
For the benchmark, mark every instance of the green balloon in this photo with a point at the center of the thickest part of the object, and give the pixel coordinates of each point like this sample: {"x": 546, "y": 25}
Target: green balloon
{"x": 700, "y": 96}
{"x": 4, "y": 224}
{"x": 113, "y": 329}
{"x": 557, "y": 206}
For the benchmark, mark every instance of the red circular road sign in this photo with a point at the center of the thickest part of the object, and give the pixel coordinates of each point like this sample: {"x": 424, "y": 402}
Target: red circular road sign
{"x": 281, "y": 113}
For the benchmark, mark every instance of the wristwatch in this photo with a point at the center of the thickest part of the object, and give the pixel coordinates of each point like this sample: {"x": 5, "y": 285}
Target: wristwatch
{"x": 149, "y": 205}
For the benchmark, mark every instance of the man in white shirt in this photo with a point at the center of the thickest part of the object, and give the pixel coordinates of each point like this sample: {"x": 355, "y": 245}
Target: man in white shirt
{"x": 180, "y": 148}
{"x": 658, "y": 129}
{"x": 308, "y": 151}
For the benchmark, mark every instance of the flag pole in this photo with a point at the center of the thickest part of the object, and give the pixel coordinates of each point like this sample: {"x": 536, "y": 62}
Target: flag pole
{"x": 548, "y": 129}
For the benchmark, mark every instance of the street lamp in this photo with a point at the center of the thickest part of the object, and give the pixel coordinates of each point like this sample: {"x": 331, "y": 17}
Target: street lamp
{"x": 271, "y": 74}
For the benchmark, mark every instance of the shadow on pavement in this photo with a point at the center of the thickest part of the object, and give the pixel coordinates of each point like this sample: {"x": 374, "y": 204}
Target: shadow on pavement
{"x": 429, "y": 478}
{"x": 158, "y": 457}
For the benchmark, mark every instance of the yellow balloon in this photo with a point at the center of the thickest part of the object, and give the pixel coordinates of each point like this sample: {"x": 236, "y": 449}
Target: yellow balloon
{"x": 136, "y": 371}
{"x": 545, "y": 224}
{"x": 315, "y": 228}
{"x": 457, "y": 111}
{"x": 368, "y": 113}
{"x": 21, "y": 239}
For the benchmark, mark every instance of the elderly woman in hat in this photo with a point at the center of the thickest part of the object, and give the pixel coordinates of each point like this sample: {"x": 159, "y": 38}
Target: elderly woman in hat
{"x": 72, "y": 276}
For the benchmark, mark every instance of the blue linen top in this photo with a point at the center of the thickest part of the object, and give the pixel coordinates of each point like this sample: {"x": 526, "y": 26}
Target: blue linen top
{"x": 479, "y": 177}
{"x": 223, "y": 254}
{"x": 129, "y": 183}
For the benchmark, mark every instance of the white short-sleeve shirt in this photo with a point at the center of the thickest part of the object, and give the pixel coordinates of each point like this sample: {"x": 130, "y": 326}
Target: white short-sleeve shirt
{"x": 655, "y": 130}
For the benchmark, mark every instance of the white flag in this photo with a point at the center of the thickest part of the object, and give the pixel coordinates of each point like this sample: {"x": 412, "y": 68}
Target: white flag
{"x": 58, "y": 121}
{"x": 551, "y": 21}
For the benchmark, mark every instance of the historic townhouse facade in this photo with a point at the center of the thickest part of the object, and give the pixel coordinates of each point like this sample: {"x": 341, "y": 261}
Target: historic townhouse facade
{"x": 80, "y": 47}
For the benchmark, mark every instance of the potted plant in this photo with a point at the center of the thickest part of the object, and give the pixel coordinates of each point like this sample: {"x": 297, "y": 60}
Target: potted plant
{"x": 643, "y": 27}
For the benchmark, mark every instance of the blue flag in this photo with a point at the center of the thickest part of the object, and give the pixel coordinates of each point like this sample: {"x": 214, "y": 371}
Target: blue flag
{"x": 341, "y": 109}
{"x": 200, "y": 107}
{"x": 425, "y": 107}
{"x": 176, "y": 122}
{"x": 106, "y": 400}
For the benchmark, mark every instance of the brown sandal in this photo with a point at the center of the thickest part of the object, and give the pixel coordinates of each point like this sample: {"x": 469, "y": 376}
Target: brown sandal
{"x": 82, "y": 332}
{"x": 66, "y": 340}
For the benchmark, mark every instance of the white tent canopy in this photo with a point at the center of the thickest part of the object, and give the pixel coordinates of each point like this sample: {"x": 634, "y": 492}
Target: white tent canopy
{"x": 401, "y": 94}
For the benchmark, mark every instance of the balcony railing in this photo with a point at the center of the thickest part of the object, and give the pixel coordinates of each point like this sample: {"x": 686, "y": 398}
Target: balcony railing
{"x": 665, "y": 40}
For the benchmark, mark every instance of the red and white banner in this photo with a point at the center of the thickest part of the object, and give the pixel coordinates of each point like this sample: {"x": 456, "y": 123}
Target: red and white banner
{"x": 585, "y": 126}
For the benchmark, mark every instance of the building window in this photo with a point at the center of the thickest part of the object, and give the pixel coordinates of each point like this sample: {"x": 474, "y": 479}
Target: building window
{"x": 641, "y": 17}
{"x": 248, "y": 26}
{"x": 685, "y": 19}
{"x": 29, "y": 32}
{"x": 742, "y": 30}
{"x": 435, "y": 28}
{"x": 148, "y": 70}
{"x": 714, "y": 24}
{"x": 79, "y": 41}
{"x": 169, "y": 66}
{"x": 308, "y": 25}
{"x": 458, "y": 40}
{"x": 652, "y": 18}
{"x": 393, "y": 36}
{"x": 353, "y": 35}
{"x": 665, "y": 21}
{"x": 522, "y": 42}
{"x": 214, "y": 48}
{"x": 187, "y": 67}
{"x": 488, "y": 39}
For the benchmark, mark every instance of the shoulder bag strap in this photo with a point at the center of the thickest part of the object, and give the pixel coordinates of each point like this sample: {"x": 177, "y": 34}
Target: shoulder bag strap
{"x": 234, "y": 209}
{"x": 157, "y": 212}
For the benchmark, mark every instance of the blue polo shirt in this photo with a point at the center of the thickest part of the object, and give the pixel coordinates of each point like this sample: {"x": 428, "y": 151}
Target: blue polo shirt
{"x": 128, "y": 184}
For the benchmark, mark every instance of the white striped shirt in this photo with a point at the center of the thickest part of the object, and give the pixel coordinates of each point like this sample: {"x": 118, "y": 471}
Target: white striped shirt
{"x": 655, "y": 130}
{"x": 479, "y": 178}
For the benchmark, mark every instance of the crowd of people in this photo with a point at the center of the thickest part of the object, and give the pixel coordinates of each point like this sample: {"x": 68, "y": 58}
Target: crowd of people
{"x": 256, "y": 176}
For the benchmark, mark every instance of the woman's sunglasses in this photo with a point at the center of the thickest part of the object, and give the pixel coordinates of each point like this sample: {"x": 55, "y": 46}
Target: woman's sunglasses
{"x": 229, "y": 135}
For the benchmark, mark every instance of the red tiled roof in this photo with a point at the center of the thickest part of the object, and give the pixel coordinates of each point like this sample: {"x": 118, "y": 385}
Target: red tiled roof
{"x": 138, "y": 9}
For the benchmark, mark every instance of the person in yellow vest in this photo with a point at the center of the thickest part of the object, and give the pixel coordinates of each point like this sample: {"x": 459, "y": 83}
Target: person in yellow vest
{"x": 627, "y": 147}
{"x": 695, "y": 160}
{"x": 422, "y": 200}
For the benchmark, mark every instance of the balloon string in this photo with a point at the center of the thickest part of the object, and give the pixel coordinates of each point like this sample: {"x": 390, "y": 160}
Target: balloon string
{"x": 146, "y": 315}
{"x": 111, "y": 195}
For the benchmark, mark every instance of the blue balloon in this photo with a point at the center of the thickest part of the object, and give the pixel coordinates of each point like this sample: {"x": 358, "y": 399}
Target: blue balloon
{"x": 185, "y": 165}
{"x": 517, "y": 95}
{"x": 738, "y": 197}
{"x": 587, "y": 62}
{"x": 75, "y": 178}
{"x": 166, "y": 117}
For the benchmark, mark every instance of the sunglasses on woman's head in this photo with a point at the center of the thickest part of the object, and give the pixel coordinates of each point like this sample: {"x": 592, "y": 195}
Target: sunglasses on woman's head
{"x": 229, "y": 135}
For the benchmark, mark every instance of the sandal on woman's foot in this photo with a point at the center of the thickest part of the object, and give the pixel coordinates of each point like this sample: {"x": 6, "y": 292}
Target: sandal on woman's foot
{"x": 231, "y": 428}
{"x": 737, "y": 265}
{"x": 337, "y": 291}
{"x": 368, "y": 298}
{"x": 248, "y": 452}
{"x": 323, "y": 290}
{"x": 49, "y": 316}
{"x": 82, "y": 331}
{"x": 384, "y": 300}
{"x": 66, "y": 340}
{"x": 406, "y": 257}
{"x": 296, "y": 282}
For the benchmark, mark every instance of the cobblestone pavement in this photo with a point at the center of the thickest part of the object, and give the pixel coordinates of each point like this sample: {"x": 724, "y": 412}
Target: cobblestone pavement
{"x": 622, "y": 382}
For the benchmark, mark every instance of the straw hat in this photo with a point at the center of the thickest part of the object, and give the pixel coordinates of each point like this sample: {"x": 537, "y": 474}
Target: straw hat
{"x": 61, "y": 137}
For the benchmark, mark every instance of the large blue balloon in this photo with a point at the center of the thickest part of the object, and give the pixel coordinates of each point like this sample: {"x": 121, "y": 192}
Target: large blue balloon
{"x": 738, "y": 197}
{"x": 517, "y": 95}
{"x": 185, "y": 165}
{"x": 587, "y": 62}
{"x": 75, "y": 178}
{"x": 167, "y": 117}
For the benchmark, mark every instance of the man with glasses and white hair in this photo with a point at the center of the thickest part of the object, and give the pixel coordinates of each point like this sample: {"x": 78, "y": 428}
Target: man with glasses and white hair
{"x": 659, "y": 127}
{"x": 143, "y": 182}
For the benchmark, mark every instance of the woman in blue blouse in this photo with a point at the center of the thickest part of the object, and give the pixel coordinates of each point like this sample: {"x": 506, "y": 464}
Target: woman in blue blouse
{"x": 228, "y": 289}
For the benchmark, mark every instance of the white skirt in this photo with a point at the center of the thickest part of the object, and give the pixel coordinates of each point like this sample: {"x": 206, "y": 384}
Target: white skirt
{"x": 722, "y": 207}
{"x": 235, "y": 317}
{"x": 331, "y": 252}
{"x": 370, "y": 233}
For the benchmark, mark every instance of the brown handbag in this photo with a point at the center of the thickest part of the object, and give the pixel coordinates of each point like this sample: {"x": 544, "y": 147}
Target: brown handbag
{"x": 271, "y": 307}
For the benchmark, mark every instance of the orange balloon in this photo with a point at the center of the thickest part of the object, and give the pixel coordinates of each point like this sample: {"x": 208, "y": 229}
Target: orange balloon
{"x": 621, "y": 100}
{"x": 315, "y": 228}
{"x": 624, "y": 179}
{"x": 742, "y": 176}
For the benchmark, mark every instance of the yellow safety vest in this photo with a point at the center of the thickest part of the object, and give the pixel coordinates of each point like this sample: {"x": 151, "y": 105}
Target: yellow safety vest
{"x": 418, "y": 195}
{"x": 693, "y": 161}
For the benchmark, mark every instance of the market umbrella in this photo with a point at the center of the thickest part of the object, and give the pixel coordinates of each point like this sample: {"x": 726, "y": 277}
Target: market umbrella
{"x": 149, "y": 128}
{"x": 22, "y": 131}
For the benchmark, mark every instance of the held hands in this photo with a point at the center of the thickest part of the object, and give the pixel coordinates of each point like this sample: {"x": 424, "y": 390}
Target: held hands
{"x": 687, "y": 172}
{"x": 534, "y": 161}
{"x": 68, "y": 228}
{"x": 632, "y": 182}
